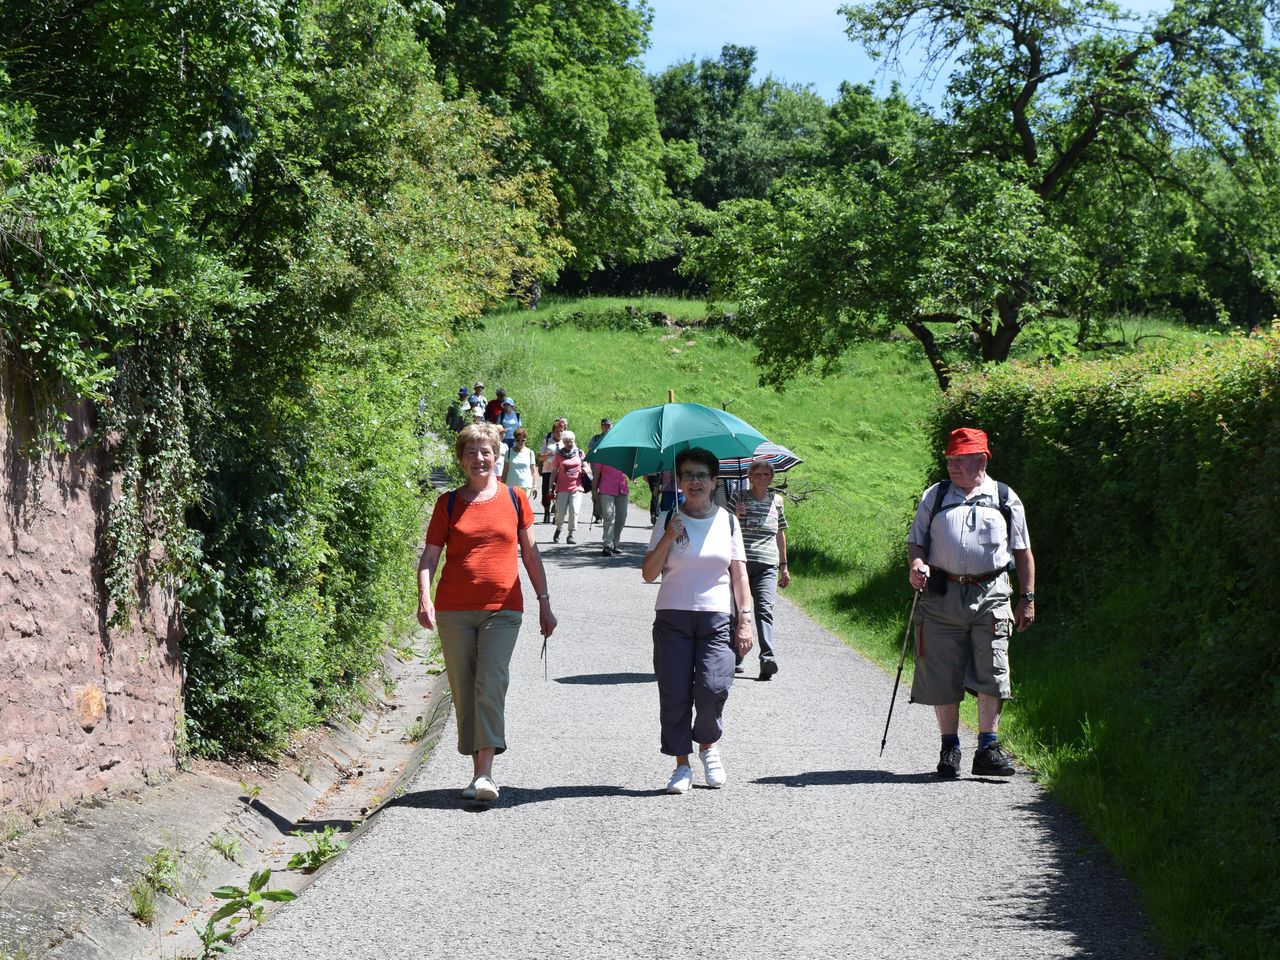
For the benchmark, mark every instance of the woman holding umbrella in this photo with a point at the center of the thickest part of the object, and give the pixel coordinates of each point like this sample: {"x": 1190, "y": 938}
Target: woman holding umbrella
{"x": 699, "y": 554}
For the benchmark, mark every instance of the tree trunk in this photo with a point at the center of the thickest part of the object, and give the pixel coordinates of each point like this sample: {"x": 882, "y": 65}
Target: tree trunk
{"x": 996, "y": 348}
{"x": 931, "y": 350}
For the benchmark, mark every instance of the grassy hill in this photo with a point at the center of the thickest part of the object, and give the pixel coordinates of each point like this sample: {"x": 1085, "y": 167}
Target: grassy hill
{"x": 860, "y": 432}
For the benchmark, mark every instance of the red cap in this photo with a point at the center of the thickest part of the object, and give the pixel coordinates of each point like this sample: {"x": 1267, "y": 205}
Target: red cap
{"x": 967, "y": 440}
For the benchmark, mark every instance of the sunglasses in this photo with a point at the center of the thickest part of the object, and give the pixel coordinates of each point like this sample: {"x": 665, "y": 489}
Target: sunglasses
{"x": 695, "y": 477}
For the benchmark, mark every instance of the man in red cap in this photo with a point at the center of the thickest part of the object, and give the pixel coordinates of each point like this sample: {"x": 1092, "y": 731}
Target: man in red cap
{"x": 968, "y": 531}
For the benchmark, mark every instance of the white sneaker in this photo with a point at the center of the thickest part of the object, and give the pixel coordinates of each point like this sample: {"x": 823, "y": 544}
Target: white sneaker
{"x": 681, "y": 780}
{"x": 486, "y": 789}
{"x": 712, "y": 768}
{"x": 469, "y": 791}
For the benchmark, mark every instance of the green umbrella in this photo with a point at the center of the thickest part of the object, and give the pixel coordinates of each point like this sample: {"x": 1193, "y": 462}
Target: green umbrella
{"x": 647, "y": 440}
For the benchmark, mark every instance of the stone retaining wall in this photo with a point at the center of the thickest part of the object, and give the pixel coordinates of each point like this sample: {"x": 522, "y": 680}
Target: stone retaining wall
{"x": 83, "y": 709}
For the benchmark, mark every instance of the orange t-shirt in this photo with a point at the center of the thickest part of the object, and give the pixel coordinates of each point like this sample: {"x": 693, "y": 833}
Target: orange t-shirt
{"x": 481, "y": 541}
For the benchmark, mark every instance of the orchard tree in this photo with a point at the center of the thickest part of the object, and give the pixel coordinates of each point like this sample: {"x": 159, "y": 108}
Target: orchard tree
{"x": 1060, "y": 118}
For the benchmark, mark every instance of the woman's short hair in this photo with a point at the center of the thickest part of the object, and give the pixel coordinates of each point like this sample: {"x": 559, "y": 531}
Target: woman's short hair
{"x": 520, "y": 433}
{"x": 759, "y": 464}
{"x": 490, "y": 433}
{"x": 698, "y": 455}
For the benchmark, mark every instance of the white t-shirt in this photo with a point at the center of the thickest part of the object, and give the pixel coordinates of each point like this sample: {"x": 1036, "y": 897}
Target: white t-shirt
{"x": 521, "y": 466}
{"x": 696, "y": 573}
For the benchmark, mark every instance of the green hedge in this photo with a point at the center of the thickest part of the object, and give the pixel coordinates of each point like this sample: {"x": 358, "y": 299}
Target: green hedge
{"x": 1149, "y": 693}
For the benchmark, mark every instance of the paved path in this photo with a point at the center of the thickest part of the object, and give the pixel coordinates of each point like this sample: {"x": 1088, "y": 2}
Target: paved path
{"x": 816, "y": 847}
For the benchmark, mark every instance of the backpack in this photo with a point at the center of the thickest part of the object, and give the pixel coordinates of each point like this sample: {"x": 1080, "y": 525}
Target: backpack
{"x": 515, "y": 502}
{"x": 459, "y": 415}
{"x": 1002, "y": 504}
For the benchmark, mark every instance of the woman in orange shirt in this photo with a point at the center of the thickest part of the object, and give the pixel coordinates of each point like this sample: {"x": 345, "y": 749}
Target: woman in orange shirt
{"x": 478, "y": 605}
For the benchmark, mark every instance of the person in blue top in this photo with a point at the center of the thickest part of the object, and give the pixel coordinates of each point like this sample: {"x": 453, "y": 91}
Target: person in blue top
{"x": 509, "y": 421}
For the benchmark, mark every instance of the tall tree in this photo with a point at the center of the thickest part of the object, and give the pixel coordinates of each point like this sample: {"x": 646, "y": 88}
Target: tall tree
{"x": 990, "y": 222}
{"x": 566, "y": 75}
{"x": 747, "y": 133}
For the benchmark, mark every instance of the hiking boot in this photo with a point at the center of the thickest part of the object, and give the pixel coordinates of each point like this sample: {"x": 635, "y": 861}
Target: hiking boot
{"x": 607, "y": 551}
{"x": 569, "y": 539}
{"x": 681, "y": 780}
{"x": 556, "y": 538}
{"x": 768, "y": 668}
{"x": 949, "y": 763}
{"x": 993, "y": 762}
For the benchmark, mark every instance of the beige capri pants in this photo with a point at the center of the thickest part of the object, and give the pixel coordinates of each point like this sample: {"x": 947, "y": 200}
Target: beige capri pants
{"x": 477, "y": 647}
{"x": 962, "y": 642}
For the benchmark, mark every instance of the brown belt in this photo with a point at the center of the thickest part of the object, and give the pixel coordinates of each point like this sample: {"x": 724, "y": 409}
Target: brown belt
{"x": 974, "y": 578}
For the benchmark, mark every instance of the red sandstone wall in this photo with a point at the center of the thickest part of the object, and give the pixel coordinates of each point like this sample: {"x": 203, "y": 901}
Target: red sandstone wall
{"x": 82, "y": 709}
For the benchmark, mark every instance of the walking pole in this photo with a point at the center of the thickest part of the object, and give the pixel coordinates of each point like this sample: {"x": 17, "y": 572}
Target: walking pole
{"x": 544, "y": 658}
{"x": 898, "y": 679}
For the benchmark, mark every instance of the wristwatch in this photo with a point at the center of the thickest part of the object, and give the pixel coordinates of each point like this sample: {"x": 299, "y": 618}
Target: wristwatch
{"x": 1029, "y": 597}
{"x": 544, "y": 596}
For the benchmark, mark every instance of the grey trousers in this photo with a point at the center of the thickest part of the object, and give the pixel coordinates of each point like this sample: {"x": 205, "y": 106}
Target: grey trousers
{"x": 693, "y": 661}
{"x": 763, "y": 578}
{"x": 477, "y": 647}
{"x": 567, "y": 505}
{"x": 614, "y": 509}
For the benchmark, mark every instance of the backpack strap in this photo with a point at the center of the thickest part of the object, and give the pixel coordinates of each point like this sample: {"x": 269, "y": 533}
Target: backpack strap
{"x": 1002, "y": 504}
{"x": 515, "y": 503}
{"x": 943, "y": 487}
{"x": 733, "y": 520}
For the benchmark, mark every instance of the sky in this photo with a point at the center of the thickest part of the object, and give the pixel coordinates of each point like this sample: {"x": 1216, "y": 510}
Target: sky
{"x": 799, "y": 41}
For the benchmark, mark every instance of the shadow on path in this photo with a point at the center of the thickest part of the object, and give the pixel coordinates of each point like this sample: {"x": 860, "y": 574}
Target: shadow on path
{"x": 513, "y": 797}
{"x": 844, "y": 778}
{"x": 607, "y": 679}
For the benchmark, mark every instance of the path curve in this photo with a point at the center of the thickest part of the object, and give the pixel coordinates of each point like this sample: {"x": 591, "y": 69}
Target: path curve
{"x": 816, "y": 846}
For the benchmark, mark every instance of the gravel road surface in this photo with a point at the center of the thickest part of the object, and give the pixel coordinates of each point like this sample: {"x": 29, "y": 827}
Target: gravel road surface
{"x": 816, "y": 846}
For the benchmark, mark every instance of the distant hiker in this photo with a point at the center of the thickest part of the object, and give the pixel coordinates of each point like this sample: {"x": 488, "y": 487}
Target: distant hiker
{"x": 546, "y": 458}
{"x": 459, "y": 414}
{"x": 966, "y": 532}
{"x": 605, "y": 424}
{"x": 655, "y": 496}
{"x": 569, "y": 468}
{"x": 521, "y": 466}
{"x": 613, "y": 488}
{"x": 493, "y": 409}
{"x": 764, "y": 534}
{"x": 698, "y": 552}
{"x": 477, "y": 392}
{"x": 508, "y": 420}
{"x": 478, "y": 606}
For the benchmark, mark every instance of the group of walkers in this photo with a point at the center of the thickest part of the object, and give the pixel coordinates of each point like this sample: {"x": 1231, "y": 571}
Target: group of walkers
{"x": 720, "y": 564}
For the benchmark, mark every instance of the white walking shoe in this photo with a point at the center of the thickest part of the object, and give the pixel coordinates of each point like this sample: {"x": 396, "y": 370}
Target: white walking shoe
{"x": 486, "y": 789}
{"x": 712, "y": 768}
{"x": 681, "y": 780}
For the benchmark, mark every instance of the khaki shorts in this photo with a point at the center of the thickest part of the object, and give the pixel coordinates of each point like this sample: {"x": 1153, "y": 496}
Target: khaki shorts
{"x": 962, "y": 642}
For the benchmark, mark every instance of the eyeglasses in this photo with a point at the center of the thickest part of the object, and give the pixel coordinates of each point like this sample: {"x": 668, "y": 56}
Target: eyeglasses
{"x": 695, "y": 477}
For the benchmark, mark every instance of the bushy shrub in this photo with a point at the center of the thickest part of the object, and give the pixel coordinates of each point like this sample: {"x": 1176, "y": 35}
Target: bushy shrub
{"x": 1154, "y": 508}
